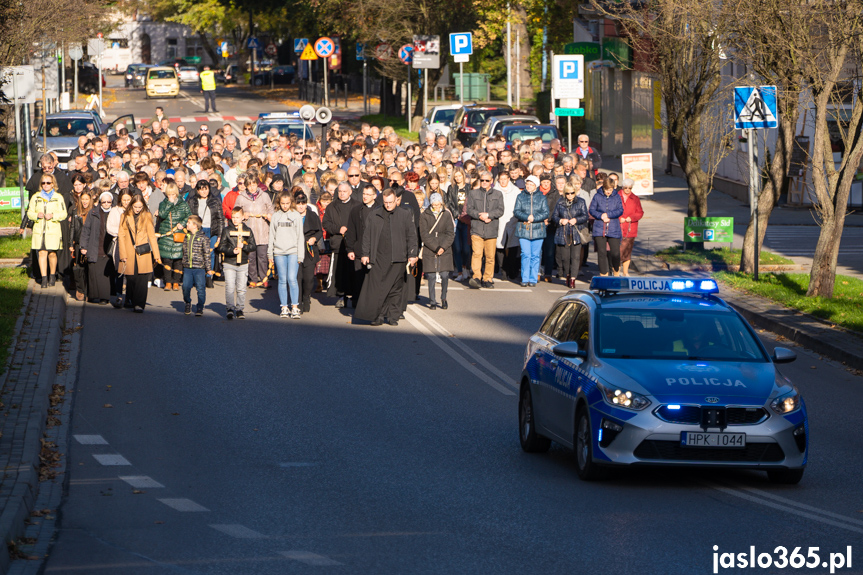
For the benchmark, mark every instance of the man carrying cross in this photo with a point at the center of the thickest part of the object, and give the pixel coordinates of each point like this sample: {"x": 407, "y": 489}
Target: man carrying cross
{"x": 236, "y": 238}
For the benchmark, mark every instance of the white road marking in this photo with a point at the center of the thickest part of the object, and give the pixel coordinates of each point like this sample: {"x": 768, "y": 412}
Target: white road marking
{"x": 791, "y": 502}
{"x": 439, "y": 341}
{"x": 111, "y": 459}
{"x": 238, "y": 531}
{"x": 90, "y": 439}
{"x": 784, "y": 507}
{"x": 309, "y": 558}
{"x": 471, "y": 353}
{"x": 187, "y": 119}
{"x": 141, "y": 482}
{"x": 519, "y": 290}
{"x": 194, "y": 101}
{"x": 183, "y": 505}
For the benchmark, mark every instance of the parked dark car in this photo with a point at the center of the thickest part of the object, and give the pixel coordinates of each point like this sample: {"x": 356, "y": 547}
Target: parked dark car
{"x": 280, "y": 75}
{"x": 88, "y": 77}
{"x": 470, "y": 118}
{"x": 524, "y": 132}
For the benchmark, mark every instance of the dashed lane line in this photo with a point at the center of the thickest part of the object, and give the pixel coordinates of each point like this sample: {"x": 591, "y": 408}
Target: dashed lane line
{"x": 111, "y": 459}
{"x": 90, "y": 439}
{"x": 239, "y": 531}
{"x": 310, "y": 558}
{"x": 141, "y": 482}
{"x": 183, "y": 505}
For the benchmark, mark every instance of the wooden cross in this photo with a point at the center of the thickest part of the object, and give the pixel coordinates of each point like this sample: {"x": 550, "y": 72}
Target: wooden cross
{"x": 240, "y": 234}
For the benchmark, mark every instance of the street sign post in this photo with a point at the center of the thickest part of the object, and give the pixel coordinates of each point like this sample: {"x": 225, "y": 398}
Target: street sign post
{"x": 461, "y": 48}
{"x": 567, "y": 83}
{"x": 300, "y": 45}
{"x": 426, "y": 55}
{"x": 383, "y": 51}
{"x": 308, "y": 53}
{"x": 700, "y": 230}
{"x": 271, "y": 50}
{"x": 406, "y": 55}
{"x": 755, "y": 108}
{"x": 361, "y": 51}
{"x": 324, "y": 48}
{"x": 362, "y": 56}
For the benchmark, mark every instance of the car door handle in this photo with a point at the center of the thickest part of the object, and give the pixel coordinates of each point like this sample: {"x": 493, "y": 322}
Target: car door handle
{"x": 554, "y": 362}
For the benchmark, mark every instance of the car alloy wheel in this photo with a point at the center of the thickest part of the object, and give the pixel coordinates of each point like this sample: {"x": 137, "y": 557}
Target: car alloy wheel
{"x": 531, "y": 441}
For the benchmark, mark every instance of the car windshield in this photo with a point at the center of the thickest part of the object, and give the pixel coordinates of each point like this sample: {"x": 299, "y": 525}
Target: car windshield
{"x": 162, "y": 75}
{"x": 476, "y": 118}
{"x": 187, "y": 69}
{"x": 444, "y": 116}
{"x": 285, "y": 130}
{"x": 64, "y": 128}
{"x": 527, "y": 132}
{"x": 675, "y": 334}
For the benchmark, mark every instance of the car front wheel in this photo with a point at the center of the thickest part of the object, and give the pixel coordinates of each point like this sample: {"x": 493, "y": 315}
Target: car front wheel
{"x": 531, "y": 441}
{"x": 588, "y": 470}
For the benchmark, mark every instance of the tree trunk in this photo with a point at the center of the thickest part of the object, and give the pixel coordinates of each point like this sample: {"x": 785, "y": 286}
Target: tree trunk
{"x": 822, "y": 277}
{"x": 209, "y": 48}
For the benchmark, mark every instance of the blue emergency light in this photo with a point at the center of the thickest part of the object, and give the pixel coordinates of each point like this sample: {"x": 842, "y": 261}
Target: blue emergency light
{"x": 278, "y": 115}
{"x": 698, "y": 286}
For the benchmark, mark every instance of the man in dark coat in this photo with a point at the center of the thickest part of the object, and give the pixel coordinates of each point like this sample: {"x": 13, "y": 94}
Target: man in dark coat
{"x": 389, "y": 242}
{"x": 354, "y": 236}
{"x": 49, "y": 166}
{"x": 357, "y": 185}
{"x": 408, "y": 201}
{"x": 336, "y": 220}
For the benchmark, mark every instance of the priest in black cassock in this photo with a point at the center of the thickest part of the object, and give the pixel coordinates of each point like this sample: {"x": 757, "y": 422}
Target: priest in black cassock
{"x": 389, "y": 245}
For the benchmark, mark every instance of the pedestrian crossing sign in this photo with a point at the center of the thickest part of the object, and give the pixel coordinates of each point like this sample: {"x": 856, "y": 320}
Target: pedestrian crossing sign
{"x": 308, "y": 53}
{"x": 755, "y": 107}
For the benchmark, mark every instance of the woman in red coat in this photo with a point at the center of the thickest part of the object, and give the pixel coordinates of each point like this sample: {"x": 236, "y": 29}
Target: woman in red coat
{"x": 632, "y": 212}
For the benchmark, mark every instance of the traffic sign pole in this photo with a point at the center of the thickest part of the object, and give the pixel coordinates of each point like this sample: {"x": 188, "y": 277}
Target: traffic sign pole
{"x": 18, "y": 141}
{"x": 754, "y": 189}
{"x": 461, "y": 83}
{"x": 425, "y": 92}
{"x": 365, "y": 87}
{"x": 409, "y": 99}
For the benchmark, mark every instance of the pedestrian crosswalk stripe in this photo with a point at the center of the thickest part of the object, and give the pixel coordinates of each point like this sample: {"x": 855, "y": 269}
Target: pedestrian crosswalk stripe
{"x": 90, "y": 439}
{"x": 111, "y": 459}
{"x": 183, "y": 505}
{"x": 309, "y": 558}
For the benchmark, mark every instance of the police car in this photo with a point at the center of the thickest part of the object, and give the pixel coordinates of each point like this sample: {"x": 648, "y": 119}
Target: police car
{"x": 659, "y": 371}
{"x": 286, "y": 123}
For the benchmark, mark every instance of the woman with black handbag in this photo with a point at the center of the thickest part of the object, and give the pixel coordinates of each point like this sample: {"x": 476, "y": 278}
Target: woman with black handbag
{"x": 571, "y": 217}
{"x": 81, "y": 213}
{"x": 138, "y": 249}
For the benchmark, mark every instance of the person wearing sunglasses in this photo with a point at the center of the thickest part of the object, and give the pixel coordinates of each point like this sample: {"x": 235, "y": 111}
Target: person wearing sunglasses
{"x": 485, "y": 208}
{"x": 571, "y": 216}
{"x": 46, "y": 210}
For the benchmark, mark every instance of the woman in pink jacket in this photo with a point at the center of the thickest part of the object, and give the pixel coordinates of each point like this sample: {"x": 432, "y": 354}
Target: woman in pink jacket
{"x": 632, "y": 212}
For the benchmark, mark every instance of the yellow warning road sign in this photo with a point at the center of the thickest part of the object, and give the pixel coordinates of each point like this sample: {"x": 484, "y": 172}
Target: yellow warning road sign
{"x": 308, "y": 53}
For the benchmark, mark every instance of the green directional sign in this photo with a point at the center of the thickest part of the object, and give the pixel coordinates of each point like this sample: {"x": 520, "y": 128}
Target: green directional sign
{"x": 569, "y": 111}
{"x": 10, "y": 199}
{"x": 708, "y": 230}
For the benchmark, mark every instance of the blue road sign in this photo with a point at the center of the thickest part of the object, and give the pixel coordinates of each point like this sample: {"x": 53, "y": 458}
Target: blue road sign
{"x": 406, "y": 53}
{"x": 300, "y": 45}
{"x": 324, "y": 47}
{"x": 755, "y": 107}
{"x": 461, "y": 43}
{"x": 253, "y": 44}
{"x": 361, "y": 51}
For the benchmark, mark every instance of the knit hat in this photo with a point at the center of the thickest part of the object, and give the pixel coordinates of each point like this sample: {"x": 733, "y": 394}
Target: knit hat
{"x": 436, "y": 198}
{"x": 533, "y": 179}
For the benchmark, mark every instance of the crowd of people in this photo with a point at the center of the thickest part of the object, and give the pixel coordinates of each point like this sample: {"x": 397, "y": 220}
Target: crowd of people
{"x": 366, "y": 223}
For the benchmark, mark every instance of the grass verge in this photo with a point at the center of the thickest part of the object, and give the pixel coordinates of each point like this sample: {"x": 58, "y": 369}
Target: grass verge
{"x": 845, "y": 308}
{"x": 400, "y": 125}
{"x": 14, "y": 246}
{"x": 10, "y": 219}
{"x": 721, "y": 256}
{"x": 13, "y": 286}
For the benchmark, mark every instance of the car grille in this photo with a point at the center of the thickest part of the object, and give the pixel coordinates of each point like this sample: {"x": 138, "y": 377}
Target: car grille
{"x": 691, "y": 415}
{"x": 673, "y": 451}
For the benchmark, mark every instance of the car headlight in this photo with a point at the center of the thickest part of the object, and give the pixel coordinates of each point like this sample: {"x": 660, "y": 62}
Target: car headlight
{"x": 786, "y": 403}
{"x": 619, "y": 397}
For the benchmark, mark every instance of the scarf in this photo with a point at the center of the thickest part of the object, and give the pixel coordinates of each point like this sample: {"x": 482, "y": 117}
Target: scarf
{"x": 48, "y": 195}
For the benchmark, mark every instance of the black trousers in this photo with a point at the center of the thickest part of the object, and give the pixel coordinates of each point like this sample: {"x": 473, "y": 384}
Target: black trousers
{"x": 508, "y": 260}
{"x": 306, "y": 280}
{"x": 136, "y": 289}
{"x": 101, "y": 274}
{"x": 79, "y": 273}
{"x": 174, "y": 275}
{"x": 343, "y": 272}
{"x": 209, "y": 100}
{"x": 359, "y": 278}
{"x": 610, "y": 257}
{"x": 568, "y": 259}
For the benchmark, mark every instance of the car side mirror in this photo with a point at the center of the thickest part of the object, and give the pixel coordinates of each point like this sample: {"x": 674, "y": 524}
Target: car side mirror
{"x": 569, "y": 349}
{"x": 783, "y": 355}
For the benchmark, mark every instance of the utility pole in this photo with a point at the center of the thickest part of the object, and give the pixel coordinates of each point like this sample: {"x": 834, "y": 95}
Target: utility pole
{"x": 517, "y": 67}
{"x": 18, "y": 142}
{"x": 508, "y": 57}
{"x": 365, "y": 86}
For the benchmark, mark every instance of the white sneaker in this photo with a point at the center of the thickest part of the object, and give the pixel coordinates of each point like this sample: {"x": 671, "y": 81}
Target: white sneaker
{"x": 285, "y": 311}
{"x": 295, "y": 313}
{"x": 459, "y": 277}
{"x": 439, "y": 279}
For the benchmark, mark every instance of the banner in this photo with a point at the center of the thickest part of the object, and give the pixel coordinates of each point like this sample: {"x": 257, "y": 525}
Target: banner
{"x": 708, "y": 230}
{"x": 639, "y": 167}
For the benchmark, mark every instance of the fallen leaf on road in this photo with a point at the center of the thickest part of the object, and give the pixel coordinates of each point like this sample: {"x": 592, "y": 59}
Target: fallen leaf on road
{"x": 128, "y": 402}
{"x": 175, "y": 413}
{"x": 107, "y": 405}
{"x": 812, "y": 367}
{"x": 137, "y": 491}
{"x": 159, "y": 522}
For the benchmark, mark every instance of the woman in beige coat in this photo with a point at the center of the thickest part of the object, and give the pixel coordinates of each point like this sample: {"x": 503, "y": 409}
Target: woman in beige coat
{"x": 46, "y": 210}
{"x": 138, "y": 249}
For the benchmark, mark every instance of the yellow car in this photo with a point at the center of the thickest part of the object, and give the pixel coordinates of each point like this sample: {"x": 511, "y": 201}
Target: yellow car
{"x": 162, "y": 82}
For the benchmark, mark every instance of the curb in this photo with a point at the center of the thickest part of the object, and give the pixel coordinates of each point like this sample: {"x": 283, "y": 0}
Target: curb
{"x": 25, "y": 488}
{"x": 806, "y": 330}
{"x": 650, "y": 264}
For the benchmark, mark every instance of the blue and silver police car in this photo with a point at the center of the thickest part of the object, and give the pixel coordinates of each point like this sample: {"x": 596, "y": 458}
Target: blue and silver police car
{"x": 659, "y": 371}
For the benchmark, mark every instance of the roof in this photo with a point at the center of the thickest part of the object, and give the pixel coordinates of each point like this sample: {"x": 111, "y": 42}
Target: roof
{"x": 71, "y": 114}
{"x": 651, "y": 301}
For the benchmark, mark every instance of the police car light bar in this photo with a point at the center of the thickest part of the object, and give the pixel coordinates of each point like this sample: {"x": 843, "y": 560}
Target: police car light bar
{"x": 700, "y": 286}
{"x": 279, "y": 115}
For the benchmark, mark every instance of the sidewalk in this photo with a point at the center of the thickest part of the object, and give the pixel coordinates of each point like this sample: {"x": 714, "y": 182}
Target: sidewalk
{"x": 27, "y": 385}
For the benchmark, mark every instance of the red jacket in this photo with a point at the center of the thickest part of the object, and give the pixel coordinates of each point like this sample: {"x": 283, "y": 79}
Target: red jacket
{"x": 631, "y": 209}
{"x": 229, "y": 202}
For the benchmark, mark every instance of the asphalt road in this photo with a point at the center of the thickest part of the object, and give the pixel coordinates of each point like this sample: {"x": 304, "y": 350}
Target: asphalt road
{"x": 284, "y": 446}
{"x": 269, "y": 446}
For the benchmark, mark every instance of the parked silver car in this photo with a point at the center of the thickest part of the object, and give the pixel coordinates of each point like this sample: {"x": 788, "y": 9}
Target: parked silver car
{"x": 438, "y": 120}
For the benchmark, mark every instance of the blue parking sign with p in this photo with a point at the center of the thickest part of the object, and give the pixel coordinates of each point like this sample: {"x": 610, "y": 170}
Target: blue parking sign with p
{"x": 461, "y": 43}
{"x": 568, "y": 70}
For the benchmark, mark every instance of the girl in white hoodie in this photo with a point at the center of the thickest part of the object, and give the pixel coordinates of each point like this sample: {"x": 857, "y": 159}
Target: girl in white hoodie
{"x": 286, "y": 251}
